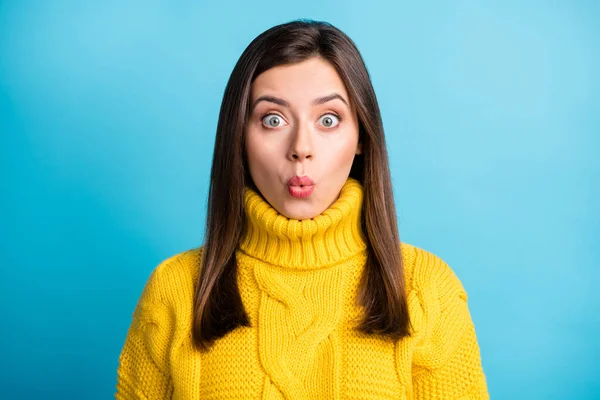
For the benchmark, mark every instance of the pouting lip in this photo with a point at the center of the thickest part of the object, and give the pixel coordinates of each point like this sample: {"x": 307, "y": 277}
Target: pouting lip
{"x": 300, "y": 181}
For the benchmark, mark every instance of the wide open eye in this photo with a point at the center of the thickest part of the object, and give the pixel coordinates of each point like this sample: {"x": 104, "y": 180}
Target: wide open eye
{"x": 329, "y": 120}
{"x": 272, "y": 121}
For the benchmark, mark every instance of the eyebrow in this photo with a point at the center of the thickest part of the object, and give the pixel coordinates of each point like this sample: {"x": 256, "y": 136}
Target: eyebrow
{"x": 281, "y": 102}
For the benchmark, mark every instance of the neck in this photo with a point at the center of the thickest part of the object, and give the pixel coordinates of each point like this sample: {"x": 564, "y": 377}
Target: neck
{"x": 330, "y": 237}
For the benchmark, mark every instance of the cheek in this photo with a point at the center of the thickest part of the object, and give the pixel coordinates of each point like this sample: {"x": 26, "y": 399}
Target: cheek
{"x": 340, "y": 153}
{"x": 258, "y": 153}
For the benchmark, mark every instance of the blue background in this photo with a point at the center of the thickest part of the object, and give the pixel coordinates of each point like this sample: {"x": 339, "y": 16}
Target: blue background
{"x": 108, "y": 113}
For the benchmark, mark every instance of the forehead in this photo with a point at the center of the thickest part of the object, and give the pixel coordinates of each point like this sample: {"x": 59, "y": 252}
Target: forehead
{"x": 301, "y": 81}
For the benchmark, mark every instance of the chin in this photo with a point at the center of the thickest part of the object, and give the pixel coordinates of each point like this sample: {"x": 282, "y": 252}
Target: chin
{"x": 299, "y": 213}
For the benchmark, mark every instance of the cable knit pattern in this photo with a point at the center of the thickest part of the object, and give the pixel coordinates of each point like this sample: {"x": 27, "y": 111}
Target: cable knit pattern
{"x": 295, "y": 328}
{"x": 299, "y": 281}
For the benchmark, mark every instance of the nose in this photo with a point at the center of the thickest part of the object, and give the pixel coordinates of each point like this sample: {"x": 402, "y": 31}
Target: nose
{"x": 301, "y": 146}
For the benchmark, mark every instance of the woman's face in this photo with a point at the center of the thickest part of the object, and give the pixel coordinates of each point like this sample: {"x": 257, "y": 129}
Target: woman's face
{"x": 302, "y": 124}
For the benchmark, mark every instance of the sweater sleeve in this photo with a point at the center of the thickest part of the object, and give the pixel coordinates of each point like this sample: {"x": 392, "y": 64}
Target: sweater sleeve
{"x": 143, "y": 371}
{"x": 447, "y": 363}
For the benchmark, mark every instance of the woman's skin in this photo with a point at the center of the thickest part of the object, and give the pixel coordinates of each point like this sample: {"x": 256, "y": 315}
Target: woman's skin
{"x": 288, "y": 135}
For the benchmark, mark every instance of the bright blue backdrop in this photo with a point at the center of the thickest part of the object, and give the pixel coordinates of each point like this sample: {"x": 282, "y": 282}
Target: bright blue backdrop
{"x": 108, "y": 112}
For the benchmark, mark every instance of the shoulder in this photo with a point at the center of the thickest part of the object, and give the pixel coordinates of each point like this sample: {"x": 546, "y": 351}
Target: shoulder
{"x": 437, "y": 306}
{"x": 164, "y": 309}
{"x": 173, "y": 279}
{"x": 178, "y": 268}
{"x": 427, "y": 273}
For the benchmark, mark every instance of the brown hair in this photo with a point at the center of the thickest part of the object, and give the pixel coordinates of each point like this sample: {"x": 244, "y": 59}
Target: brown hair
{"x": 218, "y": 307}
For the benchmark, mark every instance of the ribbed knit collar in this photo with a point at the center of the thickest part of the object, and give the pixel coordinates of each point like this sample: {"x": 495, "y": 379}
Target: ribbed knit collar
{"x": 328, "y": 238}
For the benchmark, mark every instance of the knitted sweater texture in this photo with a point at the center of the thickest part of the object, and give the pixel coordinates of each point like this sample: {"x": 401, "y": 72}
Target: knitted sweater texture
{"x": 299, "y": 282}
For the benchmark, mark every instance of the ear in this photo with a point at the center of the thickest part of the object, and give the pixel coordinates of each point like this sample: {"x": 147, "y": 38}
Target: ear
{"x": 359, "y": 148}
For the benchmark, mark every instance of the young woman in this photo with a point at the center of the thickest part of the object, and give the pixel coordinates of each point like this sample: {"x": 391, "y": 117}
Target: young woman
{"x": 302, "y": 289}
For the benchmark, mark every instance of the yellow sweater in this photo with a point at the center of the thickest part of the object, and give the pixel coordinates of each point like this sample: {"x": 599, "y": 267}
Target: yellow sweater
{"x": 298, "y": 282}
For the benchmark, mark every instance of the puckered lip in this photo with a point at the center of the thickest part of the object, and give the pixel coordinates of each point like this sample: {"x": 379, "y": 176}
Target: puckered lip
{"x": 300, "y": 181}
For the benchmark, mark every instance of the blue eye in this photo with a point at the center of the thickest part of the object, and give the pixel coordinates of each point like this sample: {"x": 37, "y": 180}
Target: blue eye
{"x": 272, "y": 120}
{"x": 329, "y": 120}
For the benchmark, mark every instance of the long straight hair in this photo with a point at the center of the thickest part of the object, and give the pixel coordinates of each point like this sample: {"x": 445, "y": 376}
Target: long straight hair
{"x": 218, "y": 307}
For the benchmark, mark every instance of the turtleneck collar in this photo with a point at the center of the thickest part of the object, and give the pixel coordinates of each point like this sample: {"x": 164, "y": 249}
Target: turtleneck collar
{"x": 328, "y": 238}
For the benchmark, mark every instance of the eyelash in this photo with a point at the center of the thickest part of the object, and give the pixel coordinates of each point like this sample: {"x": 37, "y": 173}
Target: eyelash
{"x": 327, "y": 113}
